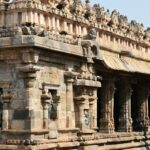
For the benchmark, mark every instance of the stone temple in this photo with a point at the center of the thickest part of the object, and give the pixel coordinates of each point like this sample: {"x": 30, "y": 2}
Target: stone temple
{"x": 72, "y": 77}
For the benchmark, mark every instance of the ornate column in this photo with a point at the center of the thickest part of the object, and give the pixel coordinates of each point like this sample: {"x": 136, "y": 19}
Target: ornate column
{"x": 45, "y": 101}
{"x": 107, "y": 106}
{"x": 93, "y": 112}
{"x": 142, "y": 104}
{"x": 125, "y": 120}
{"x": 6, "y": 98}
{"x": 93, "y": 108}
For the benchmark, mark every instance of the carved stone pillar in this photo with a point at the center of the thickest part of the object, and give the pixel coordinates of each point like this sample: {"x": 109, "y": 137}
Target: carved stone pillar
{"x": 93, "y": 109}
{"x": 107, "y": 106}
{"x": 53, "y": 23}
{"x": 70, "y": 122}
{"x": 45, "y": 101}
{"x": 142, "y": 102}
{"x": 93, "y": 113}
{"x": 6, "y": 98}
{"x": 70, "y": 114}
{"x": 65, "y": 25}
{"x": 80, "y": 121}
{"x": 125, "y": 120}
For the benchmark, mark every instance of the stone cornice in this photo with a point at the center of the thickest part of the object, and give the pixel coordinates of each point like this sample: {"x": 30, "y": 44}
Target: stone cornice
{"x": 121, "y": 27}
{"x": 46, "y": 43}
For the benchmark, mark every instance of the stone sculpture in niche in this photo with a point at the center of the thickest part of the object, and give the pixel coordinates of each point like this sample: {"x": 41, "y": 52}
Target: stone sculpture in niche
{"x": 52, "y": 109}
{"x": 86, "y": 118}
{"x": 53, "y": 126}
{"x": 92, "y": 34}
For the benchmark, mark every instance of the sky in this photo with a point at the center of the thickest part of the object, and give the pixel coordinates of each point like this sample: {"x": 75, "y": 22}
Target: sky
{"x": 138, "y": 10}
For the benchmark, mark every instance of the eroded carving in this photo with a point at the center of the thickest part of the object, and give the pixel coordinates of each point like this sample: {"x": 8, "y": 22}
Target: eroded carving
{"x": 114, "y": 19}
{"x": 102, "y": 15}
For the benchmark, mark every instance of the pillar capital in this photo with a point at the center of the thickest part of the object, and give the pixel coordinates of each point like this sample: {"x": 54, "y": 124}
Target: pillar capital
{"x": 45, "y": 98}
{"x": 6, "y": 98}
{"x": 70, "y": 75}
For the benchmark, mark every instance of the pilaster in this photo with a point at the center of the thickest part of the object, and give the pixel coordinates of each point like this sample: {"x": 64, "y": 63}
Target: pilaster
{"x": 28, "y": 71}
{"x": 69, "y": 103}
{"x": 6, "y": 99}
{"x": 45, "y": 99}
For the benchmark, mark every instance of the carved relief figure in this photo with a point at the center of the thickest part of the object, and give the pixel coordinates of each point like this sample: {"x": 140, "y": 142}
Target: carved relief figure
{"x": 123, "y": 23}
{"x": 102, "y": 15}
{"x": 114, "y": 19}
{"x": 78, "y": 8}
{"x": 136, "y": 29}
{"x": 86, "y": 118}
{"x": 53, "y": 127}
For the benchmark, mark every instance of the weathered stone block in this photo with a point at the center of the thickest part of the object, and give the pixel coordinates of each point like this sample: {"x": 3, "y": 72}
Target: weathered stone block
{"x": 17, "y": 124}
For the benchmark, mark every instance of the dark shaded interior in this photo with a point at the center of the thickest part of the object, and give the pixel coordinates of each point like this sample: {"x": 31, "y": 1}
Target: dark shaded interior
{"x": 116, "y": 107}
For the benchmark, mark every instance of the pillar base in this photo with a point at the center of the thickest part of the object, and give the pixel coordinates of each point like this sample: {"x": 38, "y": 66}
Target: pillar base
{"x": 125, "y": 126}
{"x": 106, "y": 126}
{"x": 107, "y": 130}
